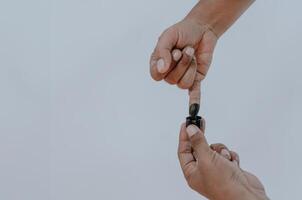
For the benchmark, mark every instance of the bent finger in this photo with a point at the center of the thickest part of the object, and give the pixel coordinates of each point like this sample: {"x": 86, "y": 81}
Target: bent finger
{"x": 222, "y": 150}
{"x": 187, "y": 80}
{"x": 161, "y": 58}
{"x": 156, "y": 75}
{"x": 177, "y": 73}
{"x": 235, "y": 157}
{"x": 218, "y": 147}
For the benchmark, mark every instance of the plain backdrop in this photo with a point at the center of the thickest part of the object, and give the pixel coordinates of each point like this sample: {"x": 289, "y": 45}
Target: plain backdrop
{"x": 80, "y": 117}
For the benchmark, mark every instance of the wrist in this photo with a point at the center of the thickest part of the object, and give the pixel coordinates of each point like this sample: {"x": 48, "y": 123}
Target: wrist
{"x": 218, "y": 15}
{"x": 238, "y": 193}
{"x": 235, "y": 193}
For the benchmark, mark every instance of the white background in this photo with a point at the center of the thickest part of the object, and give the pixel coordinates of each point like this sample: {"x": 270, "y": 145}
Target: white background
{"x": 80, "y": 117}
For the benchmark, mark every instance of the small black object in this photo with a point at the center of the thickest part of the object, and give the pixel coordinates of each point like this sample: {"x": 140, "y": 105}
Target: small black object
{"x": 194, "y": 109}
{"x": 193, "y": 118}
{"x": 197, "y": 121}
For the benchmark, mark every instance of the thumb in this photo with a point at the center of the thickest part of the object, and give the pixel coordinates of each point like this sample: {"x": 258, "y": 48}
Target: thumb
{"x": 161, "y": 58}
{"x": 198, "y": 142}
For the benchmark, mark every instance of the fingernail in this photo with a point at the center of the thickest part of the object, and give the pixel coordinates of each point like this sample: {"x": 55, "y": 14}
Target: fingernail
{"x": 176, "y": 55}
{"x": 190, "y": 51}
{"x": 225, "y": 153}
{"x": 192, "y": 130}
{"x": 161, "y": 65}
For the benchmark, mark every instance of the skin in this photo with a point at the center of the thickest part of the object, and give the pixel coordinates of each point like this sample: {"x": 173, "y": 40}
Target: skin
{"x": 182, "y": 57}
{"x": 191, "y": 42}
{"x": 213, "y": 170}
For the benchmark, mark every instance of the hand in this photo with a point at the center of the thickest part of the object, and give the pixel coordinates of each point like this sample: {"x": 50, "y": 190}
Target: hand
{"x": 186, "y": 68}
{"x": 175, "y": 66}
{"x": 194, "y": 37}
{"x": 213, "y": 171}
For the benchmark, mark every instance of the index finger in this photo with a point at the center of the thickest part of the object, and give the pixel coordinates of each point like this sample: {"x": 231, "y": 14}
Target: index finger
{"x": 194, "y": 91}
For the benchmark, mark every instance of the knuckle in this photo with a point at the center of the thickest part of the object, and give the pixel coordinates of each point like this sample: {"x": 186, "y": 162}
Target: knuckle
{"x": 200, "y": 75}
{"x": 220, "y": 146}
{"x": 155, "y": 75}
{"x": 183, "y": 85}
{"x": 236, "y": 155}
{"x": 182, "y": 36}
{"x": 171, "y": 80}
{"x": 165, "y": 32}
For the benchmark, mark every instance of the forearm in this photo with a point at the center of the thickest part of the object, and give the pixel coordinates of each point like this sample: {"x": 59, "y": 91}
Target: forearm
{"x": 219, "y": 15}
